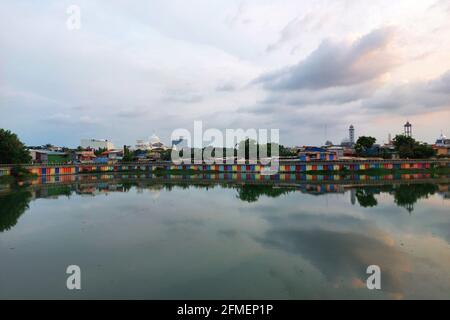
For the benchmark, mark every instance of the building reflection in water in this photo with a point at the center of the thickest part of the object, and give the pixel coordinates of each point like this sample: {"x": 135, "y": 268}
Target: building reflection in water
{"x": 15, "y": 202}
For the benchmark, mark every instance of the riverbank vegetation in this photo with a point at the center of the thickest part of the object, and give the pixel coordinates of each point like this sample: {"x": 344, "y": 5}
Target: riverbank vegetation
{"x": 12, "y": 150}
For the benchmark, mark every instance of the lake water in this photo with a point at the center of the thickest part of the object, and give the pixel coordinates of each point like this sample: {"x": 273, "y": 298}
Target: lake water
{"x": 152, "y": 239}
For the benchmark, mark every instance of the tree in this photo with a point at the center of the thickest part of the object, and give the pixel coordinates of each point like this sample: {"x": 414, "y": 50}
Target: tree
{"x": 127, "y": 155}
{"x": 100, "y": 151}
{"x": 247, "y": 147}
{"x": 166, "y": 155}
{"x": 364, "y": 143}
{"x": 12, "y": 150}
{"x": 286, "y": 152}
{"x": 264, "y": 150}
{"x": 423, "y": 151}
{"x": 408, "y": 147}
{"x": 401, "y": 140}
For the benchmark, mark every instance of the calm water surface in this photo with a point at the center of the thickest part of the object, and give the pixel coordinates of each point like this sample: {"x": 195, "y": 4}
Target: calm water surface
{"x": 150, "y": 240}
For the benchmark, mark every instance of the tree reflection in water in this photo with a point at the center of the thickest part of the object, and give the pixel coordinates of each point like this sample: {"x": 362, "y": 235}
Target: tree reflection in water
{"x": 251, "y": 193}
{"x": 405, "y": 195}
{"x": 12, "y": 206}
{"x": 16, "y": 202}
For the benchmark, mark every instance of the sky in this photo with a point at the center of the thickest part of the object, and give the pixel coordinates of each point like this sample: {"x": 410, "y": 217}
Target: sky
{"x": 307, "y": 68}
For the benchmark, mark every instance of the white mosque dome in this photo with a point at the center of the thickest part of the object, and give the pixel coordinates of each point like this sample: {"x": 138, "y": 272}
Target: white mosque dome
{"x": 442, "y": 140}
{"x": 154, "y": 139}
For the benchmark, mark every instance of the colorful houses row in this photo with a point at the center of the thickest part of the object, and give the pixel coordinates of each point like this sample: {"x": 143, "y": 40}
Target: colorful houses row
{"x": 283, "y": 167}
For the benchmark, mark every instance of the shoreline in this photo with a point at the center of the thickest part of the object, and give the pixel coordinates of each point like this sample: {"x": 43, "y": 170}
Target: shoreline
{"x": 314, "y": 169}
{"x": 441, "y": 175}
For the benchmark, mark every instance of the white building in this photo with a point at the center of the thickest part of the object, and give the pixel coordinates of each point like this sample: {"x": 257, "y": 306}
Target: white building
{"x": 338, "y": 150}
{"x": 442, "y": 141}
{"x": 142, "y": 145}
{"x": 96, "y": 144}
{"x": 155, "y": 143}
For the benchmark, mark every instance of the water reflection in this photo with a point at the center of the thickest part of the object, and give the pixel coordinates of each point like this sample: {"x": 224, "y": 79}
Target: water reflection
{"x": 15, "y": 202}
{"x": 405, "y": 195}
{"x": 12, "y": 206}
{"x": 251, "y": 193}
{"x": 147, "y": 237}
{"x": 342, "y": 256}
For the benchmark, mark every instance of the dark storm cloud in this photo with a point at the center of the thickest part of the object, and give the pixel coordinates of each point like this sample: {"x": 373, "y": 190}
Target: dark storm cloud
{"x": 413, "y": 97}
{"x": 304, "y": 98}
{"x": 337, "y": 64}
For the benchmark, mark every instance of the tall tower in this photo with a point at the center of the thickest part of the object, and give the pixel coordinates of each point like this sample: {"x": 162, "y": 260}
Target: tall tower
{"x": 408, "y": 129}
{"x": 352, "y": 134}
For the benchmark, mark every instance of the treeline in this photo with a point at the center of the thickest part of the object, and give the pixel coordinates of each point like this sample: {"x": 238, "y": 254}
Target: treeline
{"x": 406, "y": 148}
{"x": 242, "y": 150}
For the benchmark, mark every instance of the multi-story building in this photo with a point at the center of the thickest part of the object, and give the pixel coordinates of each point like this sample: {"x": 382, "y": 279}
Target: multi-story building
{"x": 96, "y": 144}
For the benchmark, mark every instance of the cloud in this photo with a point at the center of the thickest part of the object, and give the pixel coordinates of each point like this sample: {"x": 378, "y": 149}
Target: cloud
{"x": 337, "y": 64}
{"x": 154, "y": 55}
{"x": 180, "y": 96}
{"x": 345, "y": 255}
{"x": 414, "y": 97}
{"x": 226, "y": 87}
{"x": 441, "y": 5}
{"x": 65, "y": 119}
{"x": 308, "y": 23}
{"x": 132, "y": 112}
{"x": 58, "y": 118}
{"x": 340, "y": 253}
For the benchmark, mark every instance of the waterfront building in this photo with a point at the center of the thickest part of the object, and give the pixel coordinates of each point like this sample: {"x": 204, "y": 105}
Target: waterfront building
{"x": 442, "y": 141}
{"x": 338, "y": 150}
{"x": 442, "y": 146}
{"x": 113, "y": 155}
{"x": 142, "y": 145}
{"x": 83, "y": 156}
{"x": 156, "y": 144}
{"x": 315, "y": 153}
{"x": 48, "y": 157}
{"x": 152, "y": 144}
{"x": 97, "y": 144}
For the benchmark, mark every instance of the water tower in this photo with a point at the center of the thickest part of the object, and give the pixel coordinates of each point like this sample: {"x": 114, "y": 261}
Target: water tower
{"x": 408, "y": 129}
